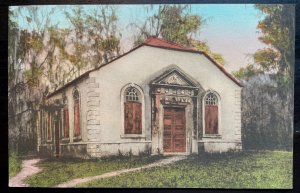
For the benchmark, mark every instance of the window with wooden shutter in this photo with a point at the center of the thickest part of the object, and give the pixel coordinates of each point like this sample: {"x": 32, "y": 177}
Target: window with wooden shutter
{"x": 132, "y": 112}
{"x": 211, "y": 114}
{"x": 133, "y": 120}
{"x": 43, "y": 126}
{"x": 77, "y": 131}
{"x": 77, "y": 119}
{"x": 49, "y": 131}
{"x": 66, "y": 123}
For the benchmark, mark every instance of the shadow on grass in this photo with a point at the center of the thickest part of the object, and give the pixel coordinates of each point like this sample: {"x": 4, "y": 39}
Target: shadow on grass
{"x": 208, "y": 157}
{"x": 202, "y": 157}
{"x": 130, "y": 158}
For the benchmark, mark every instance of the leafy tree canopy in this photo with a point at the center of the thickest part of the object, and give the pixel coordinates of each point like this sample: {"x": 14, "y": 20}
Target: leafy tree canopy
{"x": 175, "y": 23}
{"x": 278, "y": 31}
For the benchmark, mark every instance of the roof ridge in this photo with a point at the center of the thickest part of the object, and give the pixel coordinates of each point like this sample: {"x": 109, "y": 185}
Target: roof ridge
{"x": 151, "y": 41}
{"x": 170, "y": 42}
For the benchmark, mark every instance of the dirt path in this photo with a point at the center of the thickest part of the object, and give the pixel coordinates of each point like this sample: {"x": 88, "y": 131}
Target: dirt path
{"x": 28, "y": 169}
{"x": 77, "y": 181}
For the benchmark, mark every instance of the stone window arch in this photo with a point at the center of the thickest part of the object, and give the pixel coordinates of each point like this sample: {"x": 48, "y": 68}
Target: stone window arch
{"x": 132, "y": 110}
{"x": 211, "y": 113}
{"x": 76, "y": 99}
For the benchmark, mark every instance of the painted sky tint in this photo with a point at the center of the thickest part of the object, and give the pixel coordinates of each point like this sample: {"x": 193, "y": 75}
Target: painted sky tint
{"x": 230, "y": 29}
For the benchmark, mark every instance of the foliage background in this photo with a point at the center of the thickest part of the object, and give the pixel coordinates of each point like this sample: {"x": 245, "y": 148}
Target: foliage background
{"x": 268, "y": 95}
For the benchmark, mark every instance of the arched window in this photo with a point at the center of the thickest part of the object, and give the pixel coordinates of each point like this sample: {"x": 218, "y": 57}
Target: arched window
{"x": 132, "y": 111}
{"x": 211, "y": 113}
{"x": 65, "y": 132}
{"x": 76, "y": 97}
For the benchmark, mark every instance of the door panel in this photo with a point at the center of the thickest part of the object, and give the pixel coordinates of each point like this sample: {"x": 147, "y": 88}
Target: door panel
{"x": 168, "y": 121}
{"x": 174, "y": 135}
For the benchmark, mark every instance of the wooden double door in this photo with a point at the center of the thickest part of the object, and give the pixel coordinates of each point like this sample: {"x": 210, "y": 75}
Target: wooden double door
{"x": 174, "y": 134}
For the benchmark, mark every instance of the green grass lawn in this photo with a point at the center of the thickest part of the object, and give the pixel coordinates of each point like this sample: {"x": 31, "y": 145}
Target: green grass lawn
{"x": 244, "y": 170}
{"x": 57, "y": 171}
{"x": 14, "y": 164}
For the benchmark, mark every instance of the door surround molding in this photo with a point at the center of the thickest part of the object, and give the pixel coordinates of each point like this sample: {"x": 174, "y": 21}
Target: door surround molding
{"x": 173, "y": 88}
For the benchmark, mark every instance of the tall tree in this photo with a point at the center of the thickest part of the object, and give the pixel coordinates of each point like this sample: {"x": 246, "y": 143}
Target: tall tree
{"x": 278, "y": 32}
{"x": 96, "y": 40}
{"x": 102, "y": 29}
{"x": 175, "y": 23}
{"x": 12, "y": 76}
{"x": 12, "y": 47}
{"x": 34, "y": 52}
{"x": 269, "y": 122}
{"x": 29, "y": 55}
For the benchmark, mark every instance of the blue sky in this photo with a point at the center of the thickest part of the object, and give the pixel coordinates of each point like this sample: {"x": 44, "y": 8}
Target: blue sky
{"x": 230, "y": 29}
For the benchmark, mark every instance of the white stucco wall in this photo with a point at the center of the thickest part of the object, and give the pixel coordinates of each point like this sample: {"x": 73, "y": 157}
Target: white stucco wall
{"x": 140, "y": 67}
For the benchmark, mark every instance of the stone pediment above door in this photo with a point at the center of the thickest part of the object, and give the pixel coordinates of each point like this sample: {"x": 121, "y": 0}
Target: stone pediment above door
{"x": 174, "y": 78}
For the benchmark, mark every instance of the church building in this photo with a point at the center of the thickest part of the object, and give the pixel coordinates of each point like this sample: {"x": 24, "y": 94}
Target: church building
{"x": 159, "y": 97}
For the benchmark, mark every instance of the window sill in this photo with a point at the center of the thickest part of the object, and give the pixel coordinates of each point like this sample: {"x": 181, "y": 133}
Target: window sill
{"x": 76, "y": 139}
{"x": 65, "y": 140}
{"x": 76, "y": 143}
{"x": 132, "y": 136}
{"x": 212, "y": 136}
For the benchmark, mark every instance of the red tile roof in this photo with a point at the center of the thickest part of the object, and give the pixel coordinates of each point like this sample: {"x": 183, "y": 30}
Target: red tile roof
{"x": 158, "y": 42}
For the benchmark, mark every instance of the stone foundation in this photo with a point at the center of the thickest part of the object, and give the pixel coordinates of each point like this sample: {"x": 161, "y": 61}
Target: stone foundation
{"x": 108, "y": 149}
{"x": 92, "y": 150}
{"x": 46, "y": 150}
{"x": 218, "y": 147}
{"x": 66, "y": 150}
{"x": 74, "y": 150}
